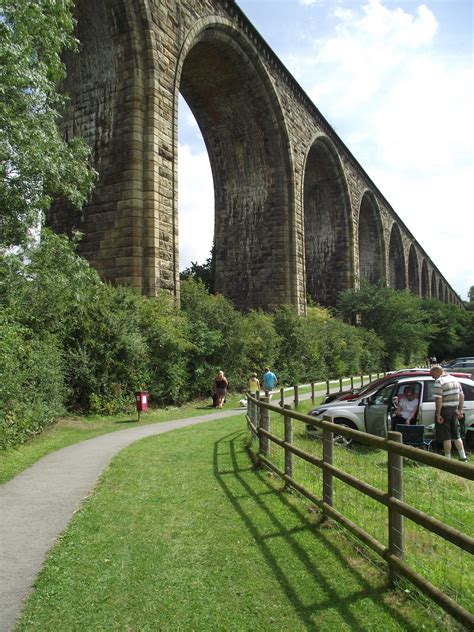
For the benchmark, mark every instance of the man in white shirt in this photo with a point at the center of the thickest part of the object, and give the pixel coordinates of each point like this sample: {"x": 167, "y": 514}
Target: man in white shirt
{"x": 449, "y": 398}
{"x": 407, "y": 407}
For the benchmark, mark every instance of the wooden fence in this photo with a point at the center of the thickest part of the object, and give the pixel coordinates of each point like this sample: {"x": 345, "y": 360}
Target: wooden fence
{"x": 258, "y": 419}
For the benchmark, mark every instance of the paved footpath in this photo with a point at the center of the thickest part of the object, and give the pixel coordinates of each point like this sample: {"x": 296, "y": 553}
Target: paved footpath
{"x": 37, "y": 505}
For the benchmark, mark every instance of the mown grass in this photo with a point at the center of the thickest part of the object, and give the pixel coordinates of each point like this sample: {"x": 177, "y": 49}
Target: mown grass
{"x": 183, "y": 534}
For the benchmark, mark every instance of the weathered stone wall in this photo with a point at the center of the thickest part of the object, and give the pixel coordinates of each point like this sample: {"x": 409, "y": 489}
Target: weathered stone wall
{"x": 295, "y": 214}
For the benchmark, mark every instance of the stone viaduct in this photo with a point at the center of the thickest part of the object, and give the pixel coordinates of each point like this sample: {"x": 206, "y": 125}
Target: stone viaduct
{"x": 295, "y": 214}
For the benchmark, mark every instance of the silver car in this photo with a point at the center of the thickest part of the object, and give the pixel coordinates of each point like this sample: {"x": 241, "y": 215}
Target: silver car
{"x": 373, "y": 413}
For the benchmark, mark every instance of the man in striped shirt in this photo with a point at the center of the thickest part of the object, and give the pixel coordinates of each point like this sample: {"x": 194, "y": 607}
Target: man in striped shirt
{"x": 449, "y": 398}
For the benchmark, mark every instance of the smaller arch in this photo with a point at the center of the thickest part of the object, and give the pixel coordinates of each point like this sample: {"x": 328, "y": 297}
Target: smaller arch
{"x": 396, "y": 260}
{"x": 440, "y": 290}
{"x": 434, "y": 286}
{"x": 371, "y": 240}
{"x": 328, "y": 229}
{"x": 425, "y": 280}
{"x": 413, "y": 271}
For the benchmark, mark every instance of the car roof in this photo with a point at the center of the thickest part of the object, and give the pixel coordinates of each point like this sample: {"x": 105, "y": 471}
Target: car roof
{"x": 465, "y": 379}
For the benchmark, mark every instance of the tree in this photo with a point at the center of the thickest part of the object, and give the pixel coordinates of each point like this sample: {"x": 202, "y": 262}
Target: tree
{"x": 36, "y": 164}
{"x": 205, "y": 272}
{"x": 394, "y": 315}
{"x": 470, "y": 305}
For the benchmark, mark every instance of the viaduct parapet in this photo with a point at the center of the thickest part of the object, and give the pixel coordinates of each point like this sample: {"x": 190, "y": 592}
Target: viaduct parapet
{"x": 295, "y": 213}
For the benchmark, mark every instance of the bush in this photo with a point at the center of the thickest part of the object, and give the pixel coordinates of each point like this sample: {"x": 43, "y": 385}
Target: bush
{"x": 32, "y": 386}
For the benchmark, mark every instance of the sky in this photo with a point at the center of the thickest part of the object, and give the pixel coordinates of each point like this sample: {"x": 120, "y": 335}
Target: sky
{"x": 395, "y": 79}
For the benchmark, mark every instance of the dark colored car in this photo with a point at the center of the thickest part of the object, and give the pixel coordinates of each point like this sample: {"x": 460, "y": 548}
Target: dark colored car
{"x": 356, "y": 393}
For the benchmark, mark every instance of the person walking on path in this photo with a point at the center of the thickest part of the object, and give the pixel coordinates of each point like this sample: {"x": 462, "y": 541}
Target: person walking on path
{"x": 253, "y": 384}
{"x": 220, "y": 388}
{"x": 449, "y": 398}
{"x": 269, "y": 381}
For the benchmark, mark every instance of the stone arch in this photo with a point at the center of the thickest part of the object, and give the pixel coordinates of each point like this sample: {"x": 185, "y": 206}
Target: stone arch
{"x": 371, "y": 241}
{"x": 425, "y": 280}
{"x": 434, "y": 285}
{"x": 413, "y": 271}
{"x": 327, "y": 224}
{"x": 440, "y": 290}
{"x": 396, "y": 260}
{"x": 226, "y": 87}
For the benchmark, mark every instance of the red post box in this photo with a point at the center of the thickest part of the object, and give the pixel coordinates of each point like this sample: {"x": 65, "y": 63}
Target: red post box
{"x": 141, "y": 400}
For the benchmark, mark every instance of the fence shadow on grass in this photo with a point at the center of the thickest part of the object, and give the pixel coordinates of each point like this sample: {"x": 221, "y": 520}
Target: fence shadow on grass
{"x": 225, "y": 451}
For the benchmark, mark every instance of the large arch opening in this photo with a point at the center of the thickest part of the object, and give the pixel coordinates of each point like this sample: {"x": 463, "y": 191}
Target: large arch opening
{"x": 413, "y": 271}
{"x": 425, "y": 280}
{"x": 328, "y": 234}
{"x": 396, "y": 260}
{"x": 371, "y": 244}
{"x": 241, "y": 124}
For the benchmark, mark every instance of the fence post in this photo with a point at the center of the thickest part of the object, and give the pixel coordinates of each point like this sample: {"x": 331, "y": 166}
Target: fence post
{"x": 257, "y": 411}
{"x": 328, "y": 486}
{"x": 282, "y": 397}
{"x": 362, "y": 380}
{"x": 297, "y": 395}
{"x": 352, "y": 382}
{"x": 370, "y": 377}
{"x": 395, "y": 490}
{"x": 264, "y": 424}
{"x": 340, "y": 383}
{"x": 327, "y": 387}
{"x": 288, "y": 439}
{"x": 312, "y": 392}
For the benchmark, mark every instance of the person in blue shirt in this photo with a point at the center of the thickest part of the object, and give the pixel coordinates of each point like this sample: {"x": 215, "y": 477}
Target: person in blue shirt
{"x": 269, "y": 381}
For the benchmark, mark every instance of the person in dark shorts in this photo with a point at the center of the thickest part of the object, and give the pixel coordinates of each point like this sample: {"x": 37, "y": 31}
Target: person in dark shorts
{"x": 220, "y": 388}
{"x": 449, "y": 399}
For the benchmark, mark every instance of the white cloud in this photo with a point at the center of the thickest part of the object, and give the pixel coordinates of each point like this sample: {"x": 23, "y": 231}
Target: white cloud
{"x": 401, "y": 104}
{"x": 196, "y": 206}
{"x": 406, "y": 108}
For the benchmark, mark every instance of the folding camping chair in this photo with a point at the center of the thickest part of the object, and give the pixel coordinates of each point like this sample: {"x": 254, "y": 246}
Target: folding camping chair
{"x": 414, "y": 436}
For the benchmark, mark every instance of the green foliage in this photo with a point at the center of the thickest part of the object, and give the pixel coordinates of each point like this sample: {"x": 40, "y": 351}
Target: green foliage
{"x": 215, "y": 327}
{"x": 79, "y": 343}
{"x": 292, "y": 351}
{"x": 167, "y": 338}
{"x": 36, "y": 164}
{"x": 395, "y": 316}
{"x": 31, "y": 388}
{"x": 451, "y": 329}
{"x": 260, "y": 342}
{"x": 205, "y": 272}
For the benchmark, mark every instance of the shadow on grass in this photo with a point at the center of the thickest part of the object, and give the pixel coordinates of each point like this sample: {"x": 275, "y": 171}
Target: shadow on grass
{"x": 344, "y": 605}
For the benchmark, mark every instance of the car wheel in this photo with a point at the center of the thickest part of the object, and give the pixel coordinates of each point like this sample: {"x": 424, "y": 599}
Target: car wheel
{"x": 341, "y": 439}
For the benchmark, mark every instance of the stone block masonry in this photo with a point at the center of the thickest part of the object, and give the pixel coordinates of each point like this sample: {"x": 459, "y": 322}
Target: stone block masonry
{"x": 295, "y": 214}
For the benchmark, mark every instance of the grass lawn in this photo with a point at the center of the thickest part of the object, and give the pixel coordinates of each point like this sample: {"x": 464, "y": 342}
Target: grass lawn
{"x": 182, "y": 533}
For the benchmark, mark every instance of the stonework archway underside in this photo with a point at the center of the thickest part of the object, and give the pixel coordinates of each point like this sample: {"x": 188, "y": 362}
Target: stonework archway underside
{"x": 328, "y": 243}
{"x": 371, "y": 246}
{"x": 240, "y": 121}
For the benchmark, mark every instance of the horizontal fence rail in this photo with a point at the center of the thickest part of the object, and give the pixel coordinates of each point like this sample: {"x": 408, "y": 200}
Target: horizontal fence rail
{"x": 392, "y": 499}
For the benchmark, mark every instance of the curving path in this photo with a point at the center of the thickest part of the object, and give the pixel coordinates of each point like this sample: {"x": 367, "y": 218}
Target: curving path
{"x": 37, "y": 505}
